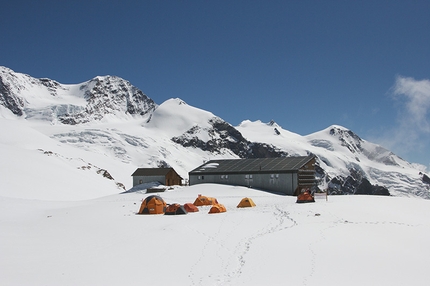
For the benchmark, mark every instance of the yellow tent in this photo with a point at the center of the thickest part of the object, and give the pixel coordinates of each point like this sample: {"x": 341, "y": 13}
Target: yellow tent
{"x": 246, "y": 203}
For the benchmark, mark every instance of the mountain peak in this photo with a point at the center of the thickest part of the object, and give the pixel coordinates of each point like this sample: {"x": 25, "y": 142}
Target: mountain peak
{"x": 176, "y": 101}
{"x": 73, "y": 103}
{"x": 273, "y": 123}
{"x": 180, "y": 135}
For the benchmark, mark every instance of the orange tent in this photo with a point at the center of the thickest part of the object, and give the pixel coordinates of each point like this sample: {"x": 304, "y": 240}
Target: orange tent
{"x": 246, "y": 203}
{"x": 175, "y": 209}
{"x": 152, "y": 205}
{"x": 218, "y": 208}
{"x": 205, "y": 201}
{"x": 305, "y": 197}
{"x": 189, "y": 207}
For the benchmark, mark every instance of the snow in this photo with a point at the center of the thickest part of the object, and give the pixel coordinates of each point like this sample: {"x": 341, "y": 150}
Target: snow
{"x": 119, "y": 142}
{"x": 174, "y": 117}
{"x": 347, "y": 240}
{"x": 39, "y": 96}
{"x": 64, "y": 223}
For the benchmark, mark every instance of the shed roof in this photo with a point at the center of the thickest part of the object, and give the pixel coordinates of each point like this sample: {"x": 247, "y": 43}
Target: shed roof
{"x": 152, "y": 171}
{"x": 259, "y": 165}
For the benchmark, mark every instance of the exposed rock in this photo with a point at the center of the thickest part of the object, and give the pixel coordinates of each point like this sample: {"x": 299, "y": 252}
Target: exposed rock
{"x": 366, "y": 188}
{"x": 355, "y": 184}
{"x": 110, "y": 95}
{"x": 9, "y": 100}
{"x": 425, "y": 178}
{"x": 226, "y": 137}
{"x": 103, "y": 95}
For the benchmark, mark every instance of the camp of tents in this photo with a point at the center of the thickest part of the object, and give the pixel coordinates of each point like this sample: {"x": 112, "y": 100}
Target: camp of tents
{"x": 154, "y": 204}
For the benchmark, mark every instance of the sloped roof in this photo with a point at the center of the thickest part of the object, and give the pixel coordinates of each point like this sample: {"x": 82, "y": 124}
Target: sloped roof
{"x": 259, "y": 165}
{"x": 152, "y": 171}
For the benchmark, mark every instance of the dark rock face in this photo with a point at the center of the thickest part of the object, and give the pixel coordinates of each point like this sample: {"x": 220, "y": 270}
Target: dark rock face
{"x": 163, "y": 164}
{"x": 366, "y": 188}
{"x": 355, "y": 184}
{"x": 425, "y": 178}
{"x": 225, "y": 136}
{"x": 104, "y": 95}
{"x": 348, "y": 139}
{"x": 8, "y": 100}
{"x": 109, "y": 95}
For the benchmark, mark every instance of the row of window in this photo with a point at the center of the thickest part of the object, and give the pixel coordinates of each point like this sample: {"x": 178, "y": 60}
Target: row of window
{"x": 249, "y": 177}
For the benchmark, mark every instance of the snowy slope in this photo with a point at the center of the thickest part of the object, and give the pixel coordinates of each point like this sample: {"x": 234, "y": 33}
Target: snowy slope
{"x": 114, "y": 128}
{"x": 349, "y": 240}
{"x": 342, "y": 154}
{"x": 67, "y": 157}
{"x": 45, "y": 99}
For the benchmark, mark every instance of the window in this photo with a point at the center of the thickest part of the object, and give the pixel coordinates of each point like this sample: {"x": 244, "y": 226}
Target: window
{"x": 201, "y": 177}
{"x": 140, "y": 182}
{"x": 274, "y": 179}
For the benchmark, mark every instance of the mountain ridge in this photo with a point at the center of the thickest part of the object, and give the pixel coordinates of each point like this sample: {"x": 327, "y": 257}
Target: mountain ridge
{"x": 108, "y": 115}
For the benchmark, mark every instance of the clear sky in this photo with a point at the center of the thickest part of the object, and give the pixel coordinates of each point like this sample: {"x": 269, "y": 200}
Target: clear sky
{"x": 364, "y": 65}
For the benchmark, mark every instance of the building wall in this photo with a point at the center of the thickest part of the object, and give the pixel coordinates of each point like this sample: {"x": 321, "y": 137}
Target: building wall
{"x": 172, "y": 178}
{"x": 285, "y": 183}
{"x": 137, "y": 180}
{"x": 306, "y": 176}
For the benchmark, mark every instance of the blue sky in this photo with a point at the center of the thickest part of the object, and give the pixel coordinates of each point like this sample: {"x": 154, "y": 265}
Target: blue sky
{"x": 305, "y": 64}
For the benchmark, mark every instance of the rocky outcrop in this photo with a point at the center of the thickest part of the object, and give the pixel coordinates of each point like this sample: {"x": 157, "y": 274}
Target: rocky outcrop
{"x": 9, "y": 100}
{"x": 103, "y": 95}
{"x": 353, "y": 184}
{"x": 225, "y": 137}
{"x": 109, "y": 95}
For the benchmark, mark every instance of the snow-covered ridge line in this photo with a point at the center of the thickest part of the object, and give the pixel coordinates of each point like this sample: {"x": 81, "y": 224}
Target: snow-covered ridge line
{"x": 94, "y": 100}
{"x": 114, "y": 125}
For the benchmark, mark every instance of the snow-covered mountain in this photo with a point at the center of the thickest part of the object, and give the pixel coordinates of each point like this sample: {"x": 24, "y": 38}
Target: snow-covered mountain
{"x": 105, "y": 128}
{"x": 46, "y": 99}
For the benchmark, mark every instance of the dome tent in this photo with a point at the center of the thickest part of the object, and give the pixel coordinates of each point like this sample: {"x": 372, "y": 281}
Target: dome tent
{"x": 305, "y": 197}
{"x": 246, "y": 203}
{"x": 175, "y": 209}
{"x": 205, "y": 201}
{"x": 217, "y": 208}
{"x": 189, "y": 207}
{"x": 152, "y": 205}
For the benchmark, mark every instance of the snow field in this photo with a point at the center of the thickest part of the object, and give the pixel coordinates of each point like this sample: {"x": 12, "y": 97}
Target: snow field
{"x": 349, "y": 240}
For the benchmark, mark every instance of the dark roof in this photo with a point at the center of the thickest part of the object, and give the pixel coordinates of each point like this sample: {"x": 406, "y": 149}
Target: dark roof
{"x": 152, "y": 171}
{"x": 260, "y": 165}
